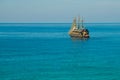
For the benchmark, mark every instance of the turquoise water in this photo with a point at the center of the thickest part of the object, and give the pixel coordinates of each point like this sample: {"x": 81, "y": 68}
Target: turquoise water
{"x": 46, "y": 52}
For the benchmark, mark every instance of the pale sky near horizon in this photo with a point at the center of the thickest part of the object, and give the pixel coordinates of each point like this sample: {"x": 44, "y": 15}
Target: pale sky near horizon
{"x": 39, "y": 11}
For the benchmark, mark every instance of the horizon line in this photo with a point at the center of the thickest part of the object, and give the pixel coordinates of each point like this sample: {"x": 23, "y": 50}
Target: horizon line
{"x": 57, "y": 22}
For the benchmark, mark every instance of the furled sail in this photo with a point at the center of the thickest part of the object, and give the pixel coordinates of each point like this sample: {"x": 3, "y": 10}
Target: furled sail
{"x": 74, "y": 26}
{"x": 82, "y": 27}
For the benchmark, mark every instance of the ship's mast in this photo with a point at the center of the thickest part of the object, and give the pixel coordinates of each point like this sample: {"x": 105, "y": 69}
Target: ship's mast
{"x": 74, "y": 25}
{"x": 82, "y": 23}
{"x": 78, "y": 22}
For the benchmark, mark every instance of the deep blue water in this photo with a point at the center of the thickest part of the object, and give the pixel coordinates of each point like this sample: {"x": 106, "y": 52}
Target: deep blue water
{"x": 46, "y": 52}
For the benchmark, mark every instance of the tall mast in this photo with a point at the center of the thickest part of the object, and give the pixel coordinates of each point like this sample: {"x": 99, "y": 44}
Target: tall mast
{"x": 82, "y": 23}
{"x": 74, "y": 26}
{"x": 74, "y": 23}
{"x": 78, "y": 22}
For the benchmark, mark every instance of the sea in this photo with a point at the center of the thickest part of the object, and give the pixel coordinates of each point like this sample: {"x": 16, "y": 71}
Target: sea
{"x": 45, "y": 51}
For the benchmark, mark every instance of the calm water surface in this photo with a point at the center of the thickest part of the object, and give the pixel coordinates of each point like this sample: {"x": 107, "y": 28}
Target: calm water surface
{"x": 46, "y": 52}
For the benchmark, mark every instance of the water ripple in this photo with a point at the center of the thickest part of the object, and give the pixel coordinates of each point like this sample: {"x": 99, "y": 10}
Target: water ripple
{"x": 34, "y": 34}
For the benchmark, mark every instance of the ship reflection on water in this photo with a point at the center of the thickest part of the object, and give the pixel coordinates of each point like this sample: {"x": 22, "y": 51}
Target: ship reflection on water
{"x": 77, "y": 39}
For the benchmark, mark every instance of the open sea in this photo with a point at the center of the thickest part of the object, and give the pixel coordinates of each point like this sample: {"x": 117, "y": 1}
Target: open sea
{"x": 46, "y": 52}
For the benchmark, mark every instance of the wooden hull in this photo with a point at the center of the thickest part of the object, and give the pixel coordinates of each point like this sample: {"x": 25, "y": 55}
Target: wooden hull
{"x": 78, "y": 34}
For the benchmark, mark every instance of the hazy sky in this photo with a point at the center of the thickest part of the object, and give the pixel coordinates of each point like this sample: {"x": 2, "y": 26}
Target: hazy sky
{"x": 59, "y": 10}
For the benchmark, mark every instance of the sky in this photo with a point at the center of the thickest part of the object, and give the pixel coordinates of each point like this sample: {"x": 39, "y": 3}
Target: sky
{"x": 59, "y": 11}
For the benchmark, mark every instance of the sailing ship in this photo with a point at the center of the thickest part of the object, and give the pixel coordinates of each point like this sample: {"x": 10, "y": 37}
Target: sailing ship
{"x": 78, "y": 30}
